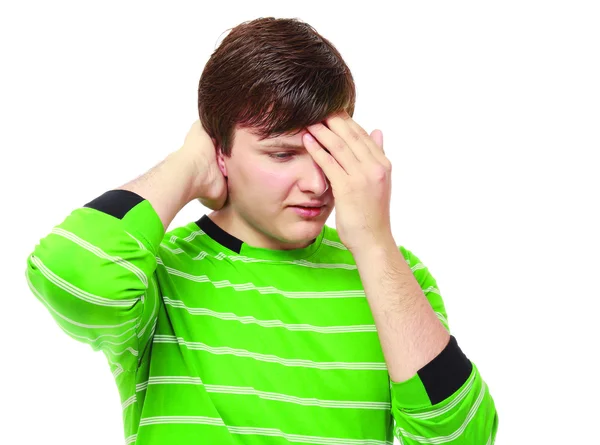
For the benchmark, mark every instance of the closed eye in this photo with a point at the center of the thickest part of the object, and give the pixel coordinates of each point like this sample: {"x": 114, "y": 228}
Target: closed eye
{"x": 281, "y": 156}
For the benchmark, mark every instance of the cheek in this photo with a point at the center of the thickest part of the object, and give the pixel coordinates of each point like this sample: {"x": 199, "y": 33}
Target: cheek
{"x": 272, "y": 181}
{"x": 276, "y": 181}
{"x": 255, "y": 180}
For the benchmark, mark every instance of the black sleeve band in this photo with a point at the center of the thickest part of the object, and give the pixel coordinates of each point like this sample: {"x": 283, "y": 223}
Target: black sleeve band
{"x": 115, "y": 202}
{"x": 446, "y": 373}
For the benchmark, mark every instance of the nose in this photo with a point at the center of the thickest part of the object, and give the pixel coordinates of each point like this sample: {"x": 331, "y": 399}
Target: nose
{"x": 313, "y": 179}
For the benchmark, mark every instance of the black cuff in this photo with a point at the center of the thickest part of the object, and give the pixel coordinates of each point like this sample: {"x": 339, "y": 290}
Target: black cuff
{"x": 447, "y": 372}
{"x": 115, "y": 202}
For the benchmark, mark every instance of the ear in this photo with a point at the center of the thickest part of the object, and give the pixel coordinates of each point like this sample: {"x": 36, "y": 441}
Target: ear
{"x": 221, "y": 162}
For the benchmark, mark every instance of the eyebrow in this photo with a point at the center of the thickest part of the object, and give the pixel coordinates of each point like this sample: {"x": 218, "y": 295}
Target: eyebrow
{"x": 282, "y": 144}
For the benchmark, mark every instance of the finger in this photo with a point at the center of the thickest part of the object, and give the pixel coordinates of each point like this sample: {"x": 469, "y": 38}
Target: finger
{"x": 336, "y": 146}
{"x": 333, "y": 170}
{"x": 354, "y": 136}
{"x": 377, "y": 136}
{"x": 376, "y": 147}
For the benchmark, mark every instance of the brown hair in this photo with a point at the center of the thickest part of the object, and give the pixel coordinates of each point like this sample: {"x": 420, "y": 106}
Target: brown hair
{"x": 272, "y": 76}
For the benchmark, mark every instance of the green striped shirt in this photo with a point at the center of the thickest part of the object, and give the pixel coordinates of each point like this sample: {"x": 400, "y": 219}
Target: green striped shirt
{"x": 213, "y": 341}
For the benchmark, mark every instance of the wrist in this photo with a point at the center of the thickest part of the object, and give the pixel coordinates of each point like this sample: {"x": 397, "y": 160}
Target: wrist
{"x": 375, "y": 245}
{"x": 187, "y": 168}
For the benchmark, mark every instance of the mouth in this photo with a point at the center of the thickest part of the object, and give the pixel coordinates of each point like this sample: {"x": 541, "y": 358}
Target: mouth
{"x": 308, "y": 212}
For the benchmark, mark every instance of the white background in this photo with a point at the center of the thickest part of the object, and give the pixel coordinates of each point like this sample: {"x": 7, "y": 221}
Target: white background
{"x": 490, "y": 115}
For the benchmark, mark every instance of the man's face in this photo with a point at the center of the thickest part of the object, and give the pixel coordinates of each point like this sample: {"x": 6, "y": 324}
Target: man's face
{"x": 265, "y": 180}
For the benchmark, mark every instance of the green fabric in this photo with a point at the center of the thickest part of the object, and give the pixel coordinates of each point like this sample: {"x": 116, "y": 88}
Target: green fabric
{"x": 262, "y": 347}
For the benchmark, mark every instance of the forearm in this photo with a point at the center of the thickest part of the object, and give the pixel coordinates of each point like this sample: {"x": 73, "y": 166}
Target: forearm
{"x": 410, "y": 333}
{"x": 168, "y": 186}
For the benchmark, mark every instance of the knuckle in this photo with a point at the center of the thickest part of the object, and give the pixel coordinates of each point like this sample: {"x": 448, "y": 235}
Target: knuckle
{"x": 379, "y": 172}
{"x": 355, "y": 137}
{"x": 362, "y": 132}
{"x": 330, "y": 160}
{"x": 339, "y": 146}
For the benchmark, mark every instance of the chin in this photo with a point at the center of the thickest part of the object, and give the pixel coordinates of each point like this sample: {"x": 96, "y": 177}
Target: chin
{"x": 305, "y": 230}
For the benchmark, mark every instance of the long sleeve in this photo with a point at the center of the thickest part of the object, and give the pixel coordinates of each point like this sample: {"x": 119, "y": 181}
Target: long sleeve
{"x": 447, "y": 401}
{"x": 94, "y": 272}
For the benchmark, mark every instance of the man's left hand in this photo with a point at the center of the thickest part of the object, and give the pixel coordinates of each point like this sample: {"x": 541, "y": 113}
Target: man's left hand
{"x": 360, "y": 177}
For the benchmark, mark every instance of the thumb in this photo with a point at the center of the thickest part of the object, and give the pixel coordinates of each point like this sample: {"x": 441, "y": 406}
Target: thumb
{"x": 377, "y": 136}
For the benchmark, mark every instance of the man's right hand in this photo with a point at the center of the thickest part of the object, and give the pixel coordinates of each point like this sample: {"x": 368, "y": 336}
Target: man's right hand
{"x": 188, "y": 173}
{"x": 210, "y": 186}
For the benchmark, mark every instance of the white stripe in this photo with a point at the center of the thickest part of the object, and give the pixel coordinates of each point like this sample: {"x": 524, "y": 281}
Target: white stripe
{"x": 244, "y": 259}
{"x": 270, "y": 323}
{"x": 455, "y": 434}
{"x": 102, "y": 254}
{"x": 119, "y": 368}
{"x": 139, "y": 243}
{"x": 89, "y": 340}
{"x": 154, "y": 315}
{"x": 273, "y": 432}
{"x": 352, "y": 404}
{"x": 418, "y": 266}
{"x": 265, "y": 290}
{"x": 443, "y": 320}
{"x": 334, "y": 244}
{"x": 201, "y": 256}
{"x": 248, "y": 390}
{"x": 76, "y": 323}
{"x": 182, "y": 419}
{"x": 168, "y": 380}
{"x": 100, "y": 345}
{"x": 153, "y": 328}
{"x": 173, "y": 251}
{"x": 432, "y": 289}
{"x": 131, "y": 400}
{"x": 193, "y": 235}
{"x": 223, "y": 350}
{"x": 130, "y": 349}
{"x": 222, "y": 256}
{"x": 129, "y": 440}
{"x": 445, "y": 409}
{"x": 323, "y": 265}
{"x": 77, "y": 292}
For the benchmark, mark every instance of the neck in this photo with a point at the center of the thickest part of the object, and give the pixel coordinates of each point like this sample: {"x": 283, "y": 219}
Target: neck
{"x": 231, "y": 222}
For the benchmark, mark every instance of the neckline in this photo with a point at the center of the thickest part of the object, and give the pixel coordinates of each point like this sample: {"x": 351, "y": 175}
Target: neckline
{"x": 230, "y": 242}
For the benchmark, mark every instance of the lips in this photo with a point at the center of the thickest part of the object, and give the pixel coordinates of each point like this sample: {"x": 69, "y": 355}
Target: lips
{"x": 307, "y": 212}
{"x": 307, "y": 205}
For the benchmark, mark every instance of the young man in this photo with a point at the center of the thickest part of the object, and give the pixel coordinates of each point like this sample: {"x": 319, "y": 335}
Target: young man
{"x": 258, "y": 323}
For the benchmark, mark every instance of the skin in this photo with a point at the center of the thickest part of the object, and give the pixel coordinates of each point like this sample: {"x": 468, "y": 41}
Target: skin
{"x": 410, "y": 333}
{"x": 263, "y": 182}
{"x": 342, "y": 162}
